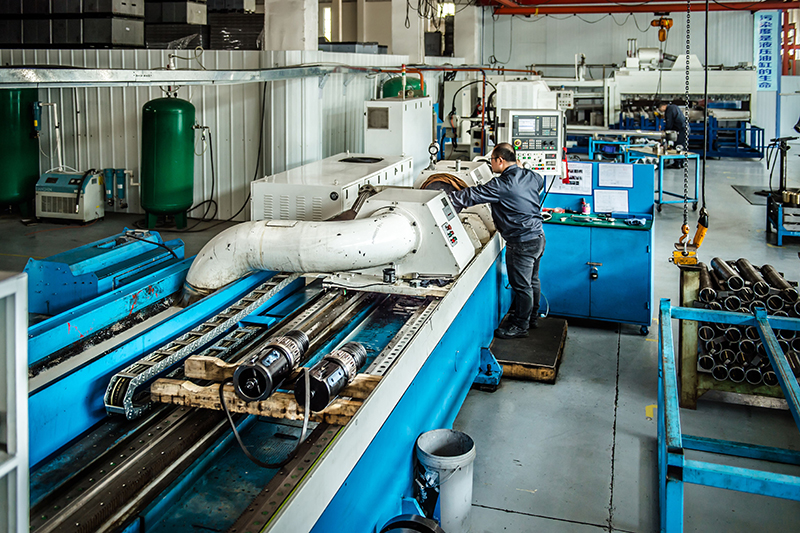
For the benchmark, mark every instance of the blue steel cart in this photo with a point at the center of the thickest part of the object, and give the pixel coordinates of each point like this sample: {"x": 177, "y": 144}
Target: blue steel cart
{"x": 634, "y": 153}
{"x": 673, "y": 468}
{"x": 777, "y": 215}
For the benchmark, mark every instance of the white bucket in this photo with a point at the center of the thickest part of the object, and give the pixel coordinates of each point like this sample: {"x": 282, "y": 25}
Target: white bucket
{"x": 446, "y": 457}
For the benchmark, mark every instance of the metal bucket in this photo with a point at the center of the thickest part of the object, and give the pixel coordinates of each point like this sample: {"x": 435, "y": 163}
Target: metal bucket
{"x": 446, "y": 457}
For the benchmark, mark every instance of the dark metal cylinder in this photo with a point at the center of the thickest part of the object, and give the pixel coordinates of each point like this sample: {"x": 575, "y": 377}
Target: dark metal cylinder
{"x": 707, "y": 293}
{"x": 720, "y": 373}
{"x": 739, "y": 359}
{"x": 747, "y": 347}
{"x": 733, "y": 334}
{"x": 329, "y": 376}
{"x": 755, "y": 304}
{"x": 784, "y": 346}
{"x": 727, "y": 274}
{"x": 770, "y": 378}
{"x": 751, "y": 332}
{"x": 753, "y": 375}
{"x": 749, "y": 272}
{"x": 733, "y": 303}
{"x": 736, "y": 374}
{"x": 713, "y": 347}
{"x": 775, "y": 279}
{"x": 706, "y": 362}
{"x": 264, "y": 371}
{"x": 774, "y": 303}
{"x": 795, "y": 343}
{"x": 706, "y": 333}
{"x": 725, "y": 356}
{"x": 797, "y": 309}
{"x": 747, "y": 295}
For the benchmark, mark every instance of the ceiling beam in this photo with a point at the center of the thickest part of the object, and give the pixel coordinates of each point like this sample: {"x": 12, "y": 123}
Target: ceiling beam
{"x": 566, "y": 7}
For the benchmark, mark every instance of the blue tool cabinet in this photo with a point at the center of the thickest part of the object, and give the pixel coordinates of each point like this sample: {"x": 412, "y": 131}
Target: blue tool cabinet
{"x": 600, "y": 269}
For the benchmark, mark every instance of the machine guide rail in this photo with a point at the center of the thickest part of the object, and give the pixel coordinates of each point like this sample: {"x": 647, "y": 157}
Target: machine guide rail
{"x": 119, "y": 396}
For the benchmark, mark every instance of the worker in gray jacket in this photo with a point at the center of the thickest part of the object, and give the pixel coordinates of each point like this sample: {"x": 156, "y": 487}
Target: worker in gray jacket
{"x": 516, "y": 209}
{"x": 674, "y": 120}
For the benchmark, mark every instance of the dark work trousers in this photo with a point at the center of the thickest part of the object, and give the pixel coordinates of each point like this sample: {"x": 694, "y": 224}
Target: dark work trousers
{"x": 522, "y": 263}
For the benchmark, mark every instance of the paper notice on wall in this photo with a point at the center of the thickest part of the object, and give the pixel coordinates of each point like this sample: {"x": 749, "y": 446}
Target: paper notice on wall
{"x": 610, "y": 201}
{"x": 615, "y": 175}
{"x": 578, "y": 181}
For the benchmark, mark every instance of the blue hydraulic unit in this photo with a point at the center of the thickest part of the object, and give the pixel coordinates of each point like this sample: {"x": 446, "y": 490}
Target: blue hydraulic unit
{"x": 674, "y": 468}
{"x": 115, "y": 180}
{"x": 62, "y": 281}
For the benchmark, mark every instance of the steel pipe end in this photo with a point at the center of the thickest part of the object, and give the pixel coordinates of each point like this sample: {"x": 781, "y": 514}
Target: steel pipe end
{"x": 774, "y": 303}
{"x": 706, "y": 362}
{"x": 790, "y": 295}
{"x": 192, "y": 294}
{"x": 736, "y": 374}
{"x": 770, "y": 378}
{"x": 735, "y": 283}
{"x": 753, "y": 376}
{"x": 708, "y": 295}
{"x": 706, "y": 333}
{"x": 720, "y": 373}
{"x": 733, "y": 303}
{"x": 761, "y": 289}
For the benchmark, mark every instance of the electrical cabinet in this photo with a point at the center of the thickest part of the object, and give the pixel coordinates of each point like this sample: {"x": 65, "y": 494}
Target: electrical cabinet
{"x": 599, "y": 271}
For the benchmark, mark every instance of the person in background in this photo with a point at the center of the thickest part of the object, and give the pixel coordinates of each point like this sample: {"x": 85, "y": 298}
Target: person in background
{"x": 516, "y": 209}
{"x": 674, "y": 120}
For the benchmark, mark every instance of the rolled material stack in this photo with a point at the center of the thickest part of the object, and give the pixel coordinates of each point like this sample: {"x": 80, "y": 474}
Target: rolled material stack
{"x": 736, "y": 353}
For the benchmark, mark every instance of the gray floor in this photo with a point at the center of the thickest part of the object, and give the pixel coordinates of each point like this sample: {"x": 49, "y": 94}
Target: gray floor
{"x": 580, "y": 455}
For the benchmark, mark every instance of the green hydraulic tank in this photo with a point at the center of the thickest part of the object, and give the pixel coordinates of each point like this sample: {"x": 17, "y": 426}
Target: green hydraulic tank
{"x": 19, "y": 149}
{"x": 394, "y": 87}
{"x": 167, "y": 173}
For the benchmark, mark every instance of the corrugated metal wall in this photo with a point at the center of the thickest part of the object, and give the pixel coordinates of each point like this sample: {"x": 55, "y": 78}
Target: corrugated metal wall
{"x": 604, "y": 39}
{"x": 305, "y": 120}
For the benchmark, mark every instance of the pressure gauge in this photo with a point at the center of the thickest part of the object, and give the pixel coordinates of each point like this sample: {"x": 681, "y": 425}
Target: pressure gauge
{"x": 433, "y": 148}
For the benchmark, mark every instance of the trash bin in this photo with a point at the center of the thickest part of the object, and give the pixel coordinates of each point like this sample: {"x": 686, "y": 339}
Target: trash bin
{"x": 446, "y": 458}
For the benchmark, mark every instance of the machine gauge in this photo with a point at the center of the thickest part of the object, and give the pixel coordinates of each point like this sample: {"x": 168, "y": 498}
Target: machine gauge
{"x": 433, "y": 148}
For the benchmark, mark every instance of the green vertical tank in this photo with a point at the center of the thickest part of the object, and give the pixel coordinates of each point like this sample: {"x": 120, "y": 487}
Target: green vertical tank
{"x": 167, "y": 173}
{"x": 394, "y": 87}
{"x": 19, "y": 149}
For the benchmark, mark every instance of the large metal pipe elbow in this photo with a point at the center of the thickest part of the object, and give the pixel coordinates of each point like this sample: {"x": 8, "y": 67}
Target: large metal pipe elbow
{"x": 300, "y": 246}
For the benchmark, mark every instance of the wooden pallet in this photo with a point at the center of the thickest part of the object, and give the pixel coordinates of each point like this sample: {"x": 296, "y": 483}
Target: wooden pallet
{"x": 535, "y": 357}
{"x": 279, "y": 405}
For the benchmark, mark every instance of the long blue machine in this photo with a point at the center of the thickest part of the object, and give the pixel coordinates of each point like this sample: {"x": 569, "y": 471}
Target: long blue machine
{"x": 139, "y": 418}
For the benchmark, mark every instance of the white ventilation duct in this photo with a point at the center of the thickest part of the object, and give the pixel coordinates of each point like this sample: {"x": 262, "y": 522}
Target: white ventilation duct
{"x": 382, "y": 238}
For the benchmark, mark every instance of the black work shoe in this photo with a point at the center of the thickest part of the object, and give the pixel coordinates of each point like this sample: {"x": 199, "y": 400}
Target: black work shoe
{"x": 510, "y": 332}
{"x": 534, "y": 323}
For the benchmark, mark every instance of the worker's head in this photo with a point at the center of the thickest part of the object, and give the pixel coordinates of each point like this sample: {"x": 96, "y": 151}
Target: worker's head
{"x": 503, "y": 156}
{"x": 661, "y": 106}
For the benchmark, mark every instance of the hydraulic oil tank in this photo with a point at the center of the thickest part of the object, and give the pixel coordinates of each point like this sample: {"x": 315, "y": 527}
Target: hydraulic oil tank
{"x": 19, "y": 149}
{"x": 394, "y": 87}
{"x": 167, "y": 172}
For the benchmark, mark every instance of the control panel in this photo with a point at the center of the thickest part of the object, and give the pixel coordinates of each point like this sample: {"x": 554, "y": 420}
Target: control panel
{"x": 538, "y": 138}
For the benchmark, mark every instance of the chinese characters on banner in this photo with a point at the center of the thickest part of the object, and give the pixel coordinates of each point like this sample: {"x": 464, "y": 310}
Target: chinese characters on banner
{"x": 766, "y": 48}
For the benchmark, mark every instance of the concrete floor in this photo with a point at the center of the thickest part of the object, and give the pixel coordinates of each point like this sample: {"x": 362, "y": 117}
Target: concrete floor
{"x": 580, "y": 456}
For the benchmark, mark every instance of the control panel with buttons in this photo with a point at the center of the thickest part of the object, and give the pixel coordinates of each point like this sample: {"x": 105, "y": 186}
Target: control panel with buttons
{"x": 537, "y": 136}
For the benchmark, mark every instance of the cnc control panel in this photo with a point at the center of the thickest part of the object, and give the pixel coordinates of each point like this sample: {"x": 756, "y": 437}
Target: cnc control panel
{"x": 538, "y": 138}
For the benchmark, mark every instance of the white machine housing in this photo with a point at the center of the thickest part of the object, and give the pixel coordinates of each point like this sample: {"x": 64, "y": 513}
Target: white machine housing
{"x": 323, "y": 189}
{"x": 56, "y": 193}
{"x": 538, "y": 137}
{"x": 444, "y": 248}
{"x": 397, "y": 126}
{"x": 532, "y": 94}
{"x": 471, "y": 172}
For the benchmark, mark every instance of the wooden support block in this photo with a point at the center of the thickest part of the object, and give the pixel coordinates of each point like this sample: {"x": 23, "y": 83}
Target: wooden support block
{"x": 279, "y": 405}
{"x": 687, "y": 344}
{"x": 208, "y": 368}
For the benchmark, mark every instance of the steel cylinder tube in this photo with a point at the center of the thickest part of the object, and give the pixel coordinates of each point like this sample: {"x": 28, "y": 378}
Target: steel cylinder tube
{"x": 797, "y": 309}
{"x": 333, "y": 373}
{"x": 749, "y": 273}
{"x": 770, "y": 378}
{"x": 774, "y": 303}
{"x": 707, "y": 293}
{"x": 795, "y": 343}
{"x": 733, "y": 303}
{"x": 784, "y": 346}
{"x": 706, "y": 333}
{"x": 733, "y": 334}
{"x": 747, "y": 347}
{"x": 705, "y": 361}
{"x": 775, "y": 279}
{"x": 715, "y": 306}
{"x": 713, "y": 347}
{"x": 727, "y": 274}
{"x": 725, "y": 356}
{"x": 751, "y": 332}
{"x": 736, "y": 374}
{"x": 720, "y": 373}
{"x": 753, "y": 375}
{"x": 756, "y": 304}
{"x": 264, "y": 371}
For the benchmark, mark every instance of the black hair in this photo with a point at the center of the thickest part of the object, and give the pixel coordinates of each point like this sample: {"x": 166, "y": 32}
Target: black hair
{"x": 506, "y": 152}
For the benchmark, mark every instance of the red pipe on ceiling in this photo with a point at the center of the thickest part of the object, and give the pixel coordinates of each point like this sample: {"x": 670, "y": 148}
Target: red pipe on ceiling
{"x": 649, "y": 7}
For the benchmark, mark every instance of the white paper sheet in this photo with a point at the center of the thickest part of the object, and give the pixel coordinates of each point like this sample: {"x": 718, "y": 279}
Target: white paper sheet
{"x": 610, "y": 201}
{"x": 579, "y": 180}
{"x": 614, "y": 175}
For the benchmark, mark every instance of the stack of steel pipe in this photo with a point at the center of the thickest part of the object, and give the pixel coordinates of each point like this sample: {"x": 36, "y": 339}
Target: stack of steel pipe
{"x": 736, "y": 353}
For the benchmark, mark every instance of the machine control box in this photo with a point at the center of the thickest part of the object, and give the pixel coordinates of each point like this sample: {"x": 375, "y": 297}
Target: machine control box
{"x": 70, "y": 196}
{"x": 538, "y": 138}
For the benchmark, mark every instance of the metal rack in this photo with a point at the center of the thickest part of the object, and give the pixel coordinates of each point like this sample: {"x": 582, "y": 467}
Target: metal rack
{"x": 674, "y": 469}
{"x": 14, "y": 401}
